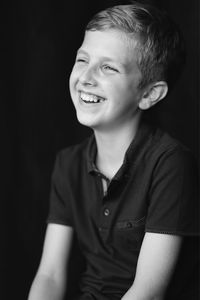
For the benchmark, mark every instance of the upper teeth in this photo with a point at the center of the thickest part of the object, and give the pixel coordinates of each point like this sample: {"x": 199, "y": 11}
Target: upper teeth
{"x": 90, "y": 98}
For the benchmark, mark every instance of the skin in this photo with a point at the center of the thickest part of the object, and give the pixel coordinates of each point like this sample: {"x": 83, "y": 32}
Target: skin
{"x": 106, "y": 66}
{"x": 50, "y": 280}
{"x": 156, "y": 262}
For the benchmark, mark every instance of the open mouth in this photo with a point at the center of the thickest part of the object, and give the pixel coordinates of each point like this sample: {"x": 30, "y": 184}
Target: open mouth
{"x": 89, "y": 98}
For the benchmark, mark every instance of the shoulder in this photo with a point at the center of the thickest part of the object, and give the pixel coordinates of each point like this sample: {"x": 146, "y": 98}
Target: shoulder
{"x": 163, "y": 145}
{"x": 74, "y": 150}
{"x": 72, "y": 157}
{"x": 158, "y": 152}
{"x": 170, "y": 160}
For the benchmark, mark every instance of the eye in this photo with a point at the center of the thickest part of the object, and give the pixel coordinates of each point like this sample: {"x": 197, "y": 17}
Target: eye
{"x": 109, "y": 68}
{"x": 81, "y": 60}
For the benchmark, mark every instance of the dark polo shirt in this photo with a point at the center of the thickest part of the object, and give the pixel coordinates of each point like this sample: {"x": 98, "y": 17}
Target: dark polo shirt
{"x": 155, "y": 190}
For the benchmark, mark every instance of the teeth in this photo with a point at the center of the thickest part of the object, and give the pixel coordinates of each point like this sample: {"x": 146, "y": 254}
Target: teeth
{"x": 90, "y": 98}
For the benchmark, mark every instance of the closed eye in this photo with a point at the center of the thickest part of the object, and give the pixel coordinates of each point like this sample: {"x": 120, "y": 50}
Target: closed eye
{"x": 110, "y": 68}
{"x": 81, "y": 60}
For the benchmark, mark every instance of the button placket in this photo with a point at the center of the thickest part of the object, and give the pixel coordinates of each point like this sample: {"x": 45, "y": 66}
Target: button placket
{"x": 105, "y": 221}
{"x": 106, "y": 216}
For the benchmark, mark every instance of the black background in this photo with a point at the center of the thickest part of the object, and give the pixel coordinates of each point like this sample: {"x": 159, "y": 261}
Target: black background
{"x": 39, "y": 40}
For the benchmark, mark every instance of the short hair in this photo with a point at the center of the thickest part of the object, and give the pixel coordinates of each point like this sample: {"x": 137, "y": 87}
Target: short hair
{"x": 161, "y": 49}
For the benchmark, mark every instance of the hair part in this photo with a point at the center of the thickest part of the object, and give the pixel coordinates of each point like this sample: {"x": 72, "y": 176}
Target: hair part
{"x": 161, "y": 50}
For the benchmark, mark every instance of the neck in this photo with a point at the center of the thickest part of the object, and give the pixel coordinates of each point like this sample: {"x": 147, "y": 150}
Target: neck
{"x": 111, "y": 147}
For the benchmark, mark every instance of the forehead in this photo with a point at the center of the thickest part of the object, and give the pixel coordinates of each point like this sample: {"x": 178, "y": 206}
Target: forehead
{"x": 113, "y": 44}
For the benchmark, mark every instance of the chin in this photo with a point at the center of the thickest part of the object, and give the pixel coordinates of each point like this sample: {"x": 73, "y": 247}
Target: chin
{"x": 84, "y": 120}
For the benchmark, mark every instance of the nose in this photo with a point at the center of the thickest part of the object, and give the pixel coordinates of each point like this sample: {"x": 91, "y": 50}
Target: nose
{"x": 87, "y": 76}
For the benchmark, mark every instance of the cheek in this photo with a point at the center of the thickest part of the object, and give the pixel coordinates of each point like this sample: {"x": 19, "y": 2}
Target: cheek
{"x": 113, "y": 87}
{"x": 119, "y": 90}
{"x": 72, "y": 80}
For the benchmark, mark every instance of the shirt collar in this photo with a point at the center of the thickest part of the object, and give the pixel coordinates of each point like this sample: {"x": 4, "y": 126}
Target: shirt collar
{"x": 141, "y": 138}
{"x": 91, "y": 154}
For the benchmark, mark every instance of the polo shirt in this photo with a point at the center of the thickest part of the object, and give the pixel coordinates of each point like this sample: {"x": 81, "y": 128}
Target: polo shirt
{"x": 155, "y": 190}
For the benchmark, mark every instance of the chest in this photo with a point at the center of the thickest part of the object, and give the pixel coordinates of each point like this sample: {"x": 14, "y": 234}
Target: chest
{"x": 114, "y": 220}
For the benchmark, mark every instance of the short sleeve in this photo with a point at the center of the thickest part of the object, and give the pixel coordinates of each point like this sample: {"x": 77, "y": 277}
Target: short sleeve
{"x": 59, "y": 202}
{"x": 174, "y": 201}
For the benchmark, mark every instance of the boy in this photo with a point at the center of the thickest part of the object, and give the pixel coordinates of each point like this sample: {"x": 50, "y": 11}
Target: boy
{"x": 129, "y": 191}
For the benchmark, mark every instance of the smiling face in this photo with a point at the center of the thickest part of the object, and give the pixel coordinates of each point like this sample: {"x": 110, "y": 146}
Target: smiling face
{"x": 104, "y": 80}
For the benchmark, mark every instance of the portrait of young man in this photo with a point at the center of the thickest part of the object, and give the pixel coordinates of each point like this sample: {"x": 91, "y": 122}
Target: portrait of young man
{"x": 100, "y": 163}
{"x": 128, "y": 192}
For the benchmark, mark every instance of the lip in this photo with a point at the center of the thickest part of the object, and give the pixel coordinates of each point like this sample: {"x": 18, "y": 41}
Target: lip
{"x": 88, "y": 104}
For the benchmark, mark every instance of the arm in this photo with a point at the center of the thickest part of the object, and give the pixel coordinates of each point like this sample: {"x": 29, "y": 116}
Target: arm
{"x": 156, "y": 262}
{"x": 50, "y": 280}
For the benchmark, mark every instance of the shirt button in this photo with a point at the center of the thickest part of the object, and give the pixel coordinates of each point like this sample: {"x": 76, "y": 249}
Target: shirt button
{"x": 129, "y": 225}
{"x": 106, "y": 212}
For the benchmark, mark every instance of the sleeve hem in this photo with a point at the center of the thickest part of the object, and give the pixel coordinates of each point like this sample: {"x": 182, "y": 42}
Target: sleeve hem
{"x": 173, "y": 232}
{"x": 60, "y": 222}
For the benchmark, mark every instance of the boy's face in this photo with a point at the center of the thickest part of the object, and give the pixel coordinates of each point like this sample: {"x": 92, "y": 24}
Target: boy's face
{"x": 104, "y": 80}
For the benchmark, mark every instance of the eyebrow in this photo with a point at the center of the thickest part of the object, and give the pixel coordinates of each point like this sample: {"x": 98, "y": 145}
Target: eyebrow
{"x": 81, "y": 51}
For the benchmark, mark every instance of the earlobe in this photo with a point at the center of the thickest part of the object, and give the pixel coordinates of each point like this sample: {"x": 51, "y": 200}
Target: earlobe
{"x": 144, "y": 103}
{"x": 153, "y": 95}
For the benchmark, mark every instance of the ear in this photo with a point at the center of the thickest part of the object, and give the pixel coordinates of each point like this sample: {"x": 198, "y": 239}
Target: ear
{"x": 153, "y": 94}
